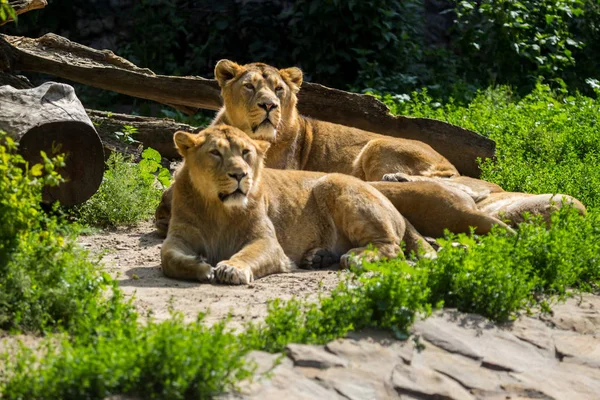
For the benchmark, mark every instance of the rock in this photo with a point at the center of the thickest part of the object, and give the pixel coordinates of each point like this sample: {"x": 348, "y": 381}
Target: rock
{"x": 533, "y": 331}
{"x": 447, "y": 336}
{"x": 581, "y": 317}
{"x": 562, "y": 381}
{"x": 359, "y": 384}
{"x": 477, "y": 338}
{"x": 465, "y": 371}
{"x": 313, "y": 356}
{"x": 422, "y": 382}
{"x": 578, "y": 349}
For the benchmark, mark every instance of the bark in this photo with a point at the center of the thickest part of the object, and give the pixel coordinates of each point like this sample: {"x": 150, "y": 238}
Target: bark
{"x": 151, "y": 132}
{"x": 50, "y": 118}
{"x": 23, "y": 6}
{"x": 55, "y": 55}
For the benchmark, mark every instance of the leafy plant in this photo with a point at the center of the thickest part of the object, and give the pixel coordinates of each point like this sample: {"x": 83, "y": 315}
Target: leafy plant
{"x": 126, "y": 134}
{"x": 517, "y": 41}
{"x": 6, "y": 11}
{"x": 46, "y": 280}
{"x": 129, "y": 192}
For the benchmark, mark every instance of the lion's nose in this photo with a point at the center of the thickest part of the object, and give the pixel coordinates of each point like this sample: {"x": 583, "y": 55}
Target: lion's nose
{"x": 267, "y": 105}
{"x": 238, "y": 176}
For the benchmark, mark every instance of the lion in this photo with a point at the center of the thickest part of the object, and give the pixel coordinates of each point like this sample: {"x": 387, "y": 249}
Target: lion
{"x": 492, "y": 200}
{"x": 228, "y": 211}
{"x": 261, "y": 101}
{"x": 247, "y": 221}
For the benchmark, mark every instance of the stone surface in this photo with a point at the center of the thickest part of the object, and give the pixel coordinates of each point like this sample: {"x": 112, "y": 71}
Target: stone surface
{"x": 578, "y": 349}
{"x": 451, "y": 355}
{"x": 420, "y": 381}
{"x": 313, "y": 356}
{"x": 582, "y": 317}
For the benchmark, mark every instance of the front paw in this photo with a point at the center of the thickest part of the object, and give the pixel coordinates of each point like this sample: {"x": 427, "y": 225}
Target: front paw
{"x": 205, "y": 271}
{"x": 233, "y": 273}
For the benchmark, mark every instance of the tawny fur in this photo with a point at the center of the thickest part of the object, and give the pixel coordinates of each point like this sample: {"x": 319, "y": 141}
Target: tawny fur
{"x": 277, "y": 219}
{"x": 507, "y": 206}
{"x": 261, "y": 101}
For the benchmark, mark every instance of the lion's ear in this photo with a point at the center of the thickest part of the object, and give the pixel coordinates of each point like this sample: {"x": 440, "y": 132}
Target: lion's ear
{"x": 184, "y": 141}
{"x": 262, "y": 146}
{"x": 226, "y": 70}
{"x": 294, "y": 76}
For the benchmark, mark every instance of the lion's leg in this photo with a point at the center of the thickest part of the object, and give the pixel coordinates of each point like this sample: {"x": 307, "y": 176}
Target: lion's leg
{"x": 380, "y": 157}
{"x": 513, "y": 206}
{"x": 318, "y": 258}
{"x": 416, "y": 243}
{"x": 162, "y": 215}
{"x": 180, "y": 261}
{"x": 261, "y": 257}
{"x": 362, "y": 215}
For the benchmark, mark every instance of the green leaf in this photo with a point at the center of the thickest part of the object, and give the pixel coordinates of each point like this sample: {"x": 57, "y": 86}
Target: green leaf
{"x": 164, "y": 177}
{"x": 37, "y": 170}
{"x": 151, "y": 154}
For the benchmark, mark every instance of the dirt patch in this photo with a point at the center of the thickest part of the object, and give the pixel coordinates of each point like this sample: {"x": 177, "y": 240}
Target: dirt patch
{"x": 132, "y": 256}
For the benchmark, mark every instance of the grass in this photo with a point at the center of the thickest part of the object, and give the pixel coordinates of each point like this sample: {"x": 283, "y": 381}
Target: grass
{"x": 108, "y": 352}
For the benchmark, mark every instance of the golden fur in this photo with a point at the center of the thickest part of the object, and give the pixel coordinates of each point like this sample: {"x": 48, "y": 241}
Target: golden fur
{"x": 261, "y": 101}
{"x": 248, "y": 222}
{"x": 495, "y": 202}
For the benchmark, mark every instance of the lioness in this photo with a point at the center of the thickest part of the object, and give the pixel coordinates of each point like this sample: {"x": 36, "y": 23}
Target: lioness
{"x": 249, "y": 222}
{"x": 497, "y": 203}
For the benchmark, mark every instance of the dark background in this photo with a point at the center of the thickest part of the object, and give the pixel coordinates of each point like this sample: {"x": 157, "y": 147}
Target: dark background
{"x": 451, "y": 48}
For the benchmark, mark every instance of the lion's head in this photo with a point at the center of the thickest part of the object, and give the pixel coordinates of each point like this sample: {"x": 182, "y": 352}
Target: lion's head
{"x": 258, "y": 98}
{"x": 224, "y": 163}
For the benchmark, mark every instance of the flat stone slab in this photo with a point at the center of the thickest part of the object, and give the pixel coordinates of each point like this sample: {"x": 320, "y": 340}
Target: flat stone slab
{"x": 450, "y": 355}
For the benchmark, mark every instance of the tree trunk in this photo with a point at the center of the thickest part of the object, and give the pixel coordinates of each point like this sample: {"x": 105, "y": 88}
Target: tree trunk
{"x": 151, "y": 132}
{"x": 55, "y": 55}
{"x": 50, "y": 118}
{"x": 23, "y": 6}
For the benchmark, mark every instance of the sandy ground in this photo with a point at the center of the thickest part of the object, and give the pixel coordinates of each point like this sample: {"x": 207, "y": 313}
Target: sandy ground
{"x": 132, "y": 255}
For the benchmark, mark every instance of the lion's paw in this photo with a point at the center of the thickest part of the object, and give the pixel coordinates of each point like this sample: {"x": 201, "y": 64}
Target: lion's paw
{"x": 355, "y": 258}
{"x": 318, "y": 258}
{"x": 234, "y": 273}
{"x": 205, "y": 271}
{"x": 396, "y": 177}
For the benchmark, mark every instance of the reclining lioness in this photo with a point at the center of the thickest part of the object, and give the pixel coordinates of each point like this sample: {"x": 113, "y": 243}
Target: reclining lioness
{"x": 235, "y": 221}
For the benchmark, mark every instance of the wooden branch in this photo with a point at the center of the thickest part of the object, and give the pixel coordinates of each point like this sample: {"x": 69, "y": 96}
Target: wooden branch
{"x": 23, "y": 6}
{"x": 55, "y": 55}
{"x": 151, "y": 132}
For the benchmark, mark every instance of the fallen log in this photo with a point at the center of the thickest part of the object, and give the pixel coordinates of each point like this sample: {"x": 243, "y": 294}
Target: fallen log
{"x": 50, "y": 118}
{"x": 23, "y": 6}
{"x": 55, "y": 55}
{"x": 151, "y": 132}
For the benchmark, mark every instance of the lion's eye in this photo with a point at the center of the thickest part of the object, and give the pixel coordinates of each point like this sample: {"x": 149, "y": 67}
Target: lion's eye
{"x": 279, "y": 88}
{"x": 245, "y": 152}
{"x": 215, "y": 153}
{"x": 249, "y": 86}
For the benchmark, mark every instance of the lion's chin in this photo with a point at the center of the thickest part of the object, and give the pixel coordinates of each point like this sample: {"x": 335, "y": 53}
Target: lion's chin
{"x": 265, "y": 131}
{"x": 236, "y": 200}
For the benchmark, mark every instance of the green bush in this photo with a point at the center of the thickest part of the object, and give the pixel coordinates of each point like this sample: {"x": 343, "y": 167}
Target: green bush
{"x": 168, "y": 360}
{"x": 129, "y": 192}
{"x": 516, "y": 42}
{"x": 46, "y": 280}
